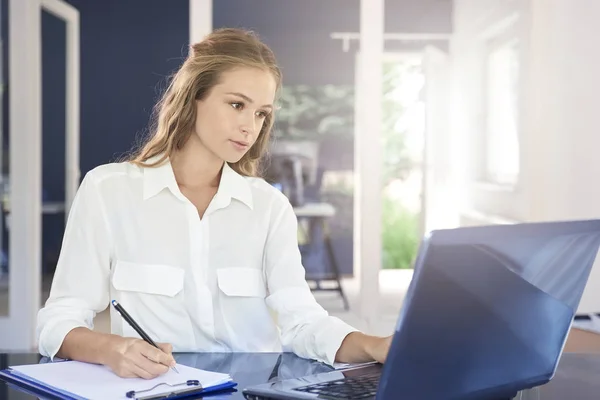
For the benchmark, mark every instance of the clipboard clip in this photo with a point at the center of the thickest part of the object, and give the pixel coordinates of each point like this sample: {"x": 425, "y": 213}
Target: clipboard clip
{"x": 190, "y": 386}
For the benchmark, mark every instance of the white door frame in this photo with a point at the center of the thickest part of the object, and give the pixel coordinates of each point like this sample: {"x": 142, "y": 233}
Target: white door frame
{"x": 367, "y": 150}
{"x": 17, "y": 330}
{"x": 201, "y": 16}
{"x": 70, "y": 15}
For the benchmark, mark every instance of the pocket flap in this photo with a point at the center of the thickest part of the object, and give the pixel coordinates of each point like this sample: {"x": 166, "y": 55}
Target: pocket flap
{"x": 241, "y": 282}
{"x": 164, "y": 280}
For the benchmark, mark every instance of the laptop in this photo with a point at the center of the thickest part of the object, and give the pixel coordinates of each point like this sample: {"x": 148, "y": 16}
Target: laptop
{"x": 486, "y": 315}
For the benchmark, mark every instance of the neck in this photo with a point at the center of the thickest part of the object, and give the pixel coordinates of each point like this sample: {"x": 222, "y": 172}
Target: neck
{"x": 195, "y": 167}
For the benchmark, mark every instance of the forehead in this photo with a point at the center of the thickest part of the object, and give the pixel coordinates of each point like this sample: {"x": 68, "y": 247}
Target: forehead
{"x": 255, "y": 83}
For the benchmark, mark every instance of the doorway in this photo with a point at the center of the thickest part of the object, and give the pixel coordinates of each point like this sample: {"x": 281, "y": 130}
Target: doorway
{"x": 23, "y": 201}
{"x": 418, "y": 171}
{"x": 403, "y": 141}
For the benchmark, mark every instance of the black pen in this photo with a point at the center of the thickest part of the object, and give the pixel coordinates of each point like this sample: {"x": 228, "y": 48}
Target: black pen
{"x": 135, "y": 326}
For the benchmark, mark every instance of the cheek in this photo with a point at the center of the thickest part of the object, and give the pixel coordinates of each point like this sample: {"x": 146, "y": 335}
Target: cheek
{"x": 261, "y": 125}
{"x": 215, "y": 126}
{"x": 201, "y": 128}
{"x": 258, "y": 135}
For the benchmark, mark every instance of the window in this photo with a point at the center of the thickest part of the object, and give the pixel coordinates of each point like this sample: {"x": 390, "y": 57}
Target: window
{"x": 501, "y": 112}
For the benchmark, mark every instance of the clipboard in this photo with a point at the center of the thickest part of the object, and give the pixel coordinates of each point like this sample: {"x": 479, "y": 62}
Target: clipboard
{"x": 34, "y": 387}
{"x": 174, "y": 391}
{"x": 188, "y": 388}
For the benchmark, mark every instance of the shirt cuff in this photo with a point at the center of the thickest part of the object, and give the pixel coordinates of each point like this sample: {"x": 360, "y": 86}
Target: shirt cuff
{"x": 53, "y": 336}
{"x": 331, "y": 338}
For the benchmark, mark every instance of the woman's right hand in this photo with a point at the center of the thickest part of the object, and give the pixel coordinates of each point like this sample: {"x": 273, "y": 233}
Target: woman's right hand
{"x": 132, "y": 357}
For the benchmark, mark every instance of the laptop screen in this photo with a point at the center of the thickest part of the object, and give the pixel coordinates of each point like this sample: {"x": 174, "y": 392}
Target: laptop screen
{"x": 489, "y": 309}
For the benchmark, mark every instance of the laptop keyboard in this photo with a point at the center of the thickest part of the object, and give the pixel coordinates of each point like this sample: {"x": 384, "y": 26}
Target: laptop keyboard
{"x": 359, "y": 387}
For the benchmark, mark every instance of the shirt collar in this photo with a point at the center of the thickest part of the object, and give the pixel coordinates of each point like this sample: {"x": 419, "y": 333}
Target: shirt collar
{"x": 231, "y": 186}
{"x": 158, "y": 178}
{"x": 234, "y": 186}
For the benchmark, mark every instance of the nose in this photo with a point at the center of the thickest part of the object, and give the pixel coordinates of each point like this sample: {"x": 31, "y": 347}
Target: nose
{"x": 248, "y": 126}
{"x": 246, "y": 131}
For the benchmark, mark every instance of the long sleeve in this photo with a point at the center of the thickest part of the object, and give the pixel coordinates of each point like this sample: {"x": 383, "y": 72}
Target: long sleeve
{"x": 80, "y": 287}
{"x": 306, "y": 328}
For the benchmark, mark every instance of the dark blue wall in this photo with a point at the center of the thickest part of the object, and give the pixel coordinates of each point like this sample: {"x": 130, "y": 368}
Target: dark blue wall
{"x": 127, "y": 50}
{"x": 53, "y": 106}
{"x": 53, "y": 131}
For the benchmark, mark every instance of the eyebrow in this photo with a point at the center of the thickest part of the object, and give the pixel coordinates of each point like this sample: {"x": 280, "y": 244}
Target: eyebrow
{"x": 248, "y": 99}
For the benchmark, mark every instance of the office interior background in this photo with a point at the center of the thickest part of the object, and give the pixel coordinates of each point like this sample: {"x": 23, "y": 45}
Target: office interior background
{"x": 397, "y": 117}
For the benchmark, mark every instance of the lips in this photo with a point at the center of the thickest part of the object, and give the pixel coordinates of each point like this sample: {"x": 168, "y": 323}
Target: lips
{"x": 240, "y": 145}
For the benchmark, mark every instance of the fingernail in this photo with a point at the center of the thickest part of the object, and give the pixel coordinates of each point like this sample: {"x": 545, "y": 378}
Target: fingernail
{"x": 173, "y": 363}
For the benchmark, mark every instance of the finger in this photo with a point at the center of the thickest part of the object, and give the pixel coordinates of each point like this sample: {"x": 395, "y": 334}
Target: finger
{"x": 125, "y": 371}
{"x": 129, "y": 369}
{"x": 140, "y": 371}
{"x": 157, "y": 355}
{"x": 165, "y": 347}
{"x": 149, "y": 366}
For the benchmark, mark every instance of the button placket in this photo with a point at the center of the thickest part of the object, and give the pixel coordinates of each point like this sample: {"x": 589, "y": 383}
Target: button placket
{"x": 202, "y": 307}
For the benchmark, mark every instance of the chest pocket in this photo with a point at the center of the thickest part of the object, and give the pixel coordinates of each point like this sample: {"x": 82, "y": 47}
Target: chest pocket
{"x": 163, "y": 280}
{"x": 241, "y": 282}
{"x": 153, "y": 295}
{"x": 242, "y": 293}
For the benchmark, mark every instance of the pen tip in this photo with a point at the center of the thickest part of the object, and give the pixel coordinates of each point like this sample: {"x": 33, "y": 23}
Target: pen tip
{"x": 175, "y": 369}
{"x": 114, "y": 302}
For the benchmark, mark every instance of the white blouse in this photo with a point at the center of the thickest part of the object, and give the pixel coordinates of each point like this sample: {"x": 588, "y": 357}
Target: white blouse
{"x": 231, "y": 281}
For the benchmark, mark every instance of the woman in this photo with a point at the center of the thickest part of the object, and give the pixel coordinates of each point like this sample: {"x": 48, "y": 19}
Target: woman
{"x": 200, "y": 252}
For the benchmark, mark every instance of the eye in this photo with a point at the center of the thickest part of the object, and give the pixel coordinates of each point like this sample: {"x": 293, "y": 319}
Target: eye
{"x": 237, "y": 105}
{"x": 262, "y": 114}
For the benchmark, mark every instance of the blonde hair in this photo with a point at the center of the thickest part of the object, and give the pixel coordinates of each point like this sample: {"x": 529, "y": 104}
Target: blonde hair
{"x": 175, "y": 114}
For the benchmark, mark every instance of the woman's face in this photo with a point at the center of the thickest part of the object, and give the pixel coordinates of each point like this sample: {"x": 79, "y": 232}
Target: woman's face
{"x": 230, "y": 118}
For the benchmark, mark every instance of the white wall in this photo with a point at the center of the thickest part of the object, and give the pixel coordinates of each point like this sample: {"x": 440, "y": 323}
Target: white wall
{"x": 560, "y": 117}
{"x": 474, "y": 21}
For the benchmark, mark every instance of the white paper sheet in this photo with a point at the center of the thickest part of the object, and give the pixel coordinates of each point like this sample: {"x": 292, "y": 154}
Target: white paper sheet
{"x": 93, "y": 381}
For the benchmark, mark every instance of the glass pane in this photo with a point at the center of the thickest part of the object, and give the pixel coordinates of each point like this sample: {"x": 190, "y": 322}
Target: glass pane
{"x": 54, "y": 53}
{"x": 402, "y": 134}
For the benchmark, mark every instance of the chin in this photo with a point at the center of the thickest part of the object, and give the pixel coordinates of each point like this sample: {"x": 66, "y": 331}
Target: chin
{"x": 232, "y": 158}
{"x": 231, "y": 155}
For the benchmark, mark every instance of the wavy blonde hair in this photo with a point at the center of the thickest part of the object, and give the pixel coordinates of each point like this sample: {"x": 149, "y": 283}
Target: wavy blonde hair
{"x": 174, "y": 115}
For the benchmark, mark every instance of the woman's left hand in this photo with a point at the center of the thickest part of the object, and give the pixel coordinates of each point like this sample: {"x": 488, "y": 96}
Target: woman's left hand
{"x": 379, "y": 348}
{"x": 358, "y": 347}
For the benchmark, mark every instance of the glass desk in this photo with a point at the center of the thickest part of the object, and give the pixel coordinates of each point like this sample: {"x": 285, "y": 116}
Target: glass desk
{"x": 576, "y": 378}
